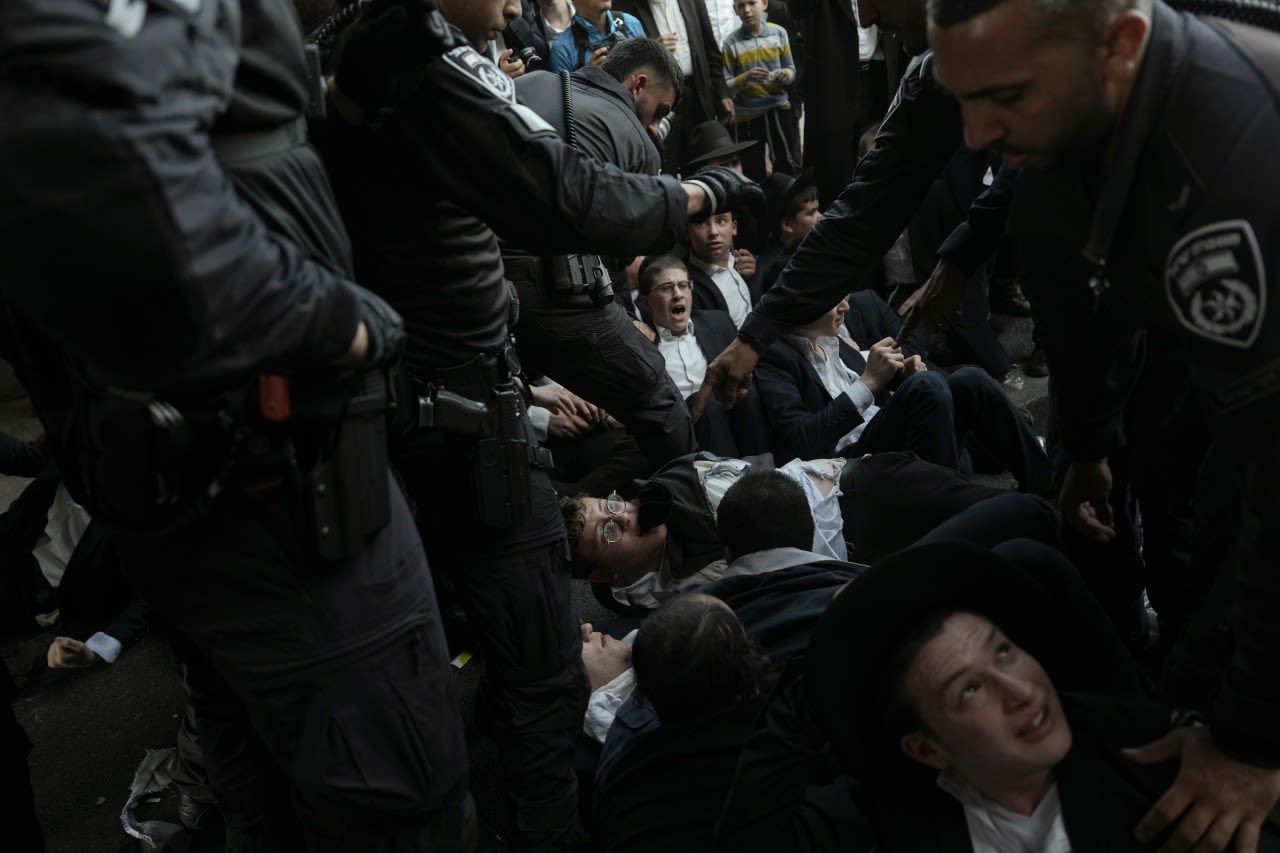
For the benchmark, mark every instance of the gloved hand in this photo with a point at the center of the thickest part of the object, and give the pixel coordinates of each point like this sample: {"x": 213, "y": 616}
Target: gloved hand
{"x": 385, "y": 329}
{"x": 726, "y": 190}
{"x": 379, "y": 58}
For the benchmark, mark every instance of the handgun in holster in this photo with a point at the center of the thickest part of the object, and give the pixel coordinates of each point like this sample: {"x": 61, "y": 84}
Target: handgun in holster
{"x": 501, "y": 453}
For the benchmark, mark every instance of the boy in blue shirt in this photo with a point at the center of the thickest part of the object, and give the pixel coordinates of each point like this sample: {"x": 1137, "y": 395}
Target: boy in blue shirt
{"x": 593, "y": 31}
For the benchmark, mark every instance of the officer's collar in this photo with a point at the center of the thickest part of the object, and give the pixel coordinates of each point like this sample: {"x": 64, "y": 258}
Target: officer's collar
{"x": 1162, "y": 64}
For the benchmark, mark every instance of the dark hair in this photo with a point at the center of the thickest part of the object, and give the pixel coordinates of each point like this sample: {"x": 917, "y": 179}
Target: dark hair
{"x": 764, "y": 509}
{"x": 693, "y": 658}
{"x": 796, "y": 200}
{"x": 638, "y": 54}
{"x": 1070, "y": 18}
{"x": 574, "y": 513}
{"x": 654, "y": 265}
{"x": 898, "y": 713}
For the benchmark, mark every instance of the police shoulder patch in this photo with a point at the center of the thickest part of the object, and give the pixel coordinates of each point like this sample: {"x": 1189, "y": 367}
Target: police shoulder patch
{"x": 1216, "y": 283}
{"x": 469, "y": 61}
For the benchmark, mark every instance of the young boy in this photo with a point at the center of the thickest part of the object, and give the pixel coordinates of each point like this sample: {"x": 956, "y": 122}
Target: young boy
{"x": 758, "y": 69}
{"x": 719, "y": 274}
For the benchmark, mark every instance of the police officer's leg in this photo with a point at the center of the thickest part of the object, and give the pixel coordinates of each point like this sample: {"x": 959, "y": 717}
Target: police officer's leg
{"x": 984, "y": 411}
{"x": 597, "y": 353}
{"x": 514, "y": 584}
{"x": 340, "y": 667}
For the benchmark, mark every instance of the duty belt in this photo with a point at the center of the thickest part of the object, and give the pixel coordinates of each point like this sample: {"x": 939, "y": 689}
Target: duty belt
{"x": 243, "y": 146}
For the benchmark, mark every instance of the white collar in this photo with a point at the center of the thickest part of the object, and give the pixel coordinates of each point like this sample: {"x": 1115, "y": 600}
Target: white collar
{"x": 665, "y": 334}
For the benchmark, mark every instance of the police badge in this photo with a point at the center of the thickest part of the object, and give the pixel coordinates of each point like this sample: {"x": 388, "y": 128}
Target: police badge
{"x": 1216, "y": 283}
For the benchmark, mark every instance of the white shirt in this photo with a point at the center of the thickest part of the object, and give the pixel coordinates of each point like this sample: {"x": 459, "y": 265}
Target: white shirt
{"x": 686, "y": 365}
{"x": 838, "y": 379}
{"x": 995, "y": 829}
{"x": 604, "y": 703}
{"x": 723, "y": 19}
{"x": 667, "y": 18}
{"x": 65, "y": 523}
{"x": 737, "y": 296}
{"x": 868, "y": 39}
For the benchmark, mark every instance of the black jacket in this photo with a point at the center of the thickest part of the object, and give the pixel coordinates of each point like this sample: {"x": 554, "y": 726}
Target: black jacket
{"x": 497, "y": 168}
{"x": 805, "y": 420}
{"x": 920, "y": 134}
{"x": 1189, "y": 235}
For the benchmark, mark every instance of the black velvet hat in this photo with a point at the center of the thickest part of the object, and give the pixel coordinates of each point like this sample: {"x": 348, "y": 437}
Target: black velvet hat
{"x": 855, "y": 640}
{"x": 710, "y": 141}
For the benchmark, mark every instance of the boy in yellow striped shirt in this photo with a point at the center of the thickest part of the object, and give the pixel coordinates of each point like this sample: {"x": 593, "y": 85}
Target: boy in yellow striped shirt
{"x": 758, "y": 69}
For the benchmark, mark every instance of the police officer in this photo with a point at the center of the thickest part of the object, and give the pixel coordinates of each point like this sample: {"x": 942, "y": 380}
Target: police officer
{"x": 425, "y": 180}
{"x": 570, "y": 326}
{"x": 1134, "y": 100}
{"x": 175, "y": 279}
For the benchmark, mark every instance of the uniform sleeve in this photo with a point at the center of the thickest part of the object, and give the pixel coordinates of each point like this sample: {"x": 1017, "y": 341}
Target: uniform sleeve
{"x": 131, "y": 222}
{"x": 509, "y": 168}
{"x": 918, "y": 137}
{"x": 1244, "y": 715}
{"x": 979, "y": 237}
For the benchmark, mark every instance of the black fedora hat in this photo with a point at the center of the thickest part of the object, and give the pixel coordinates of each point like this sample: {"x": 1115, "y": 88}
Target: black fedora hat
{"x": 710, "y": 140}
{"x": 857, "y": 637}
{"x": 779, "y": 188}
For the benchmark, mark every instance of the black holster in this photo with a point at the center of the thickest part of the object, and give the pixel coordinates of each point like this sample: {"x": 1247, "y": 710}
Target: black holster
{"x": 502, "y": 445}
{"x": 560, "y": 281}
{"x": 348, "y": 493}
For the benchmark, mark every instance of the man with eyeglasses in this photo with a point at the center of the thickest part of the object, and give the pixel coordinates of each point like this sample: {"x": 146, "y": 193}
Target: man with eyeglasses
{"x": 687, "y": 344}
{"x": 663, "y": 534}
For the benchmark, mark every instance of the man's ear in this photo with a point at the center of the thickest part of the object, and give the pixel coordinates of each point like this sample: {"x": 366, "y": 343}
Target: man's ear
{"x": 642, "y": 299}
{"x": 921, "y": 748}
{"x": 1122, "y": 44}
{"x": 636, "y": 83}
{"x": 787, "y": 226}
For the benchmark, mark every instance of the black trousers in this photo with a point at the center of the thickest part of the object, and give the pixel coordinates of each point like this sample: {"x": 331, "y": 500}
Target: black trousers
{"x": 323, "y": 694}
{"x": 596, "y": 352}
{"x": 514, "y": 585}
{"x": 932, "y": 414}
{"x": 891, "y": 500}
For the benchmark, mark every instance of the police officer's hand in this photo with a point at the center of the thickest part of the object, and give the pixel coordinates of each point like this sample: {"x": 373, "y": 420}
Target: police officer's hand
{"x": 1213, "y": 799}
{"x": 378, "y": 59}
{"x": 1084, "y": 500}
{"x": 723, "y": 189}
{"x": 937, "y": 301}
{"x": 728, "y": 377}
{"x": 384, "y": 328}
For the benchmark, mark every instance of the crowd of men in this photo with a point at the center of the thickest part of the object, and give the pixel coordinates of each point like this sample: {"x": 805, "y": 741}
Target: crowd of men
{"x": 354, "y": 329}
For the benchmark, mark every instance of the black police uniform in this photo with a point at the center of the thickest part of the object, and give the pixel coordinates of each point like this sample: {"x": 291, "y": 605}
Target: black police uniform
{"x": 1185, "y": 234}
{"x": 149, "y": 285}
{"x": 423, "y": 195}
{"x": 570, "y": 326}
{"x": 917, "y": 140}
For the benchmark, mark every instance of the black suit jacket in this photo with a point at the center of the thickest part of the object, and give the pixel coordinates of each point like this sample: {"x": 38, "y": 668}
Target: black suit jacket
{"x": 714, "y": 332}
{"x": 708, "y": 67}
{"x": 707, "y": 297}
{"x": 805, "y": 421}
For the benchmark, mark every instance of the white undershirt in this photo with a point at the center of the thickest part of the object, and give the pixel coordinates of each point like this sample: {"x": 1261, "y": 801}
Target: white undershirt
{"x": 996, "y": 829}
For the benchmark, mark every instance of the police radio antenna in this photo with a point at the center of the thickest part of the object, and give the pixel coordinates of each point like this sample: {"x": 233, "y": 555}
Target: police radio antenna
{"x": 326, "y": 35}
